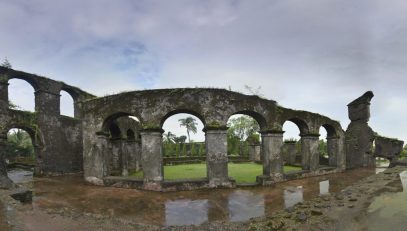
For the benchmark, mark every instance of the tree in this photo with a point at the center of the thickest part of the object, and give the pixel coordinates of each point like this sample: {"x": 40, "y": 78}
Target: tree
{"x": 243, "y": 127}
{"x": 180, "y": 139}
{"x": 6, "y": 63}
{"x": 169, "y": 137}
{"x": 19, "y": 144}
{"x": 190, "y": 124}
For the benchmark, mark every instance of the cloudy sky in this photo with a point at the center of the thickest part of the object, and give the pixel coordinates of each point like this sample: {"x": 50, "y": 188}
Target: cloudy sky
{"x": 312, "y": 55}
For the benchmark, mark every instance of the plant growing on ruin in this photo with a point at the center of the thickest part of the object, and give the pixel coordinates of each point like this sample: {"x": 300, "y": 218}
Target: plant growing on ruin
{"x": 190, "y": 124}
{"x": 6, "y": 63}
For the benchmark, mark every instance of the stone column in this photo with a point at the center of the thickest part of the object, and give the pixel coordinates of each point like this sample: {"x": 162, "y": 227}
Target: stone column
{"x": 5, "y": 182}
{"x": 3, "y": 95}
{"x": 152, "y": 159}
{"x": 216, "y": 157}
{"x": 272, "y": 145}
{"x": 291, "y": 151}
{"x": 309, "y": 151}
{"x": 131, "y": 147}
{"x": 98, "y": 159}
{"x": 333, "y": 149}
{"x": 124, "y": 158}
{"x": 254, "y": 152}
{"x": 359, "y": 136}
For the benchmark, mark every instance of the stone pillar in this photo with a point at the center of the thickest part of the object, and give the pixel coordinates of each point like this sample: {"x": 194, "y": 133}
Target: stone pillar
{"x": 152, "y": 159}
{"x": 272, "y": 145}
{"x": 255, "y": 152}
{"x": 309, "y": 151}
{"x": 216, "y": 157}
{"x": 333, "y": 150}
{"x": 3, "y": 95}
{"x": 290, "y": 148}
{"x": 124, "y": 158}
{"x": 132, "y": 150}
{"x": 359, "y": 136}
{"x": 5, "y": 182}
{"x": 47, "y": 102}
{"x": 98, "y": 159}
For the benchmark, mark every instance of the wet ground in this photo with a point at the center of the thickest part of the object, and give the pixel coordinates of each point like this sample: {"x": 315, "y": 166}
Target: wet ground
{"x": 70, "y": 194}
{"x": 68, "y": 203}
{"x": 389, "y": 209}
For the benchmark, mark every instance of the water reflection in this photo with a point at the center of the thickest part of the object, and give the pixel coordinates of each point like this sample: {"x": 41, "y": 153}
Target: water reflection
{"x": 389, "y": 209}
{"x": 186, "y": 212}
{"x": 403, "y": 178}
{"x": 244, "y": 205}
{"x": 20, "y": 175}
{"x": 293, "y": 196}
{"x": 324, "y": 187}
{"x": 182, "y": 208}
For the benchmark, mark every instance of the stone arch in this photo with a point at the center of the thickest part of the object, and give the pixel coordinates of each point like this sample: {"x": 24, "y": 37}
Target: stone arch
{"x": 334, "y": 143}
{"x": 33, "y": 82}
{"x": 36, "y": 140}
{"x": 301, "y": 124}
{"x": 35, "y": 134}
{"x": 112, "y": 117}
{"x": 114, "y": 131}
{"x": 66, "y": 97}
{"x": 331, "y": 130}
{"x": 255, "y": 115}
{"x": 179, "y": 111}
{"x": 28, "y": 90}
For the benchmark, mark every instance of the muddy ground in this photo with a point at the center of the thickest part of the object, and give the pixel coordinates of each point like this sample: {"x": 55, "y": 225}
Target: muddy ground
{"x": 346, "y": 210}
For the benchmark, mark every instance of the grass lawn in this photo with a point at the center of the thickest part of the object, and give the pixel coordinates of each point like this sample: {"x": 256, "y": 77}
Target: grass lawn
{"x": 241, "y": 172}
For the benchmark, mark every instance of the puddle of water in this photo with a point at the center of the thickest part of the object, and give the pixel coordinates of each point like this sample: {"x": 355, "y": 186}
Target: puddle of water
{"x": 182, "y": 208}
{"x": 20, "y": 176}
{"x": 324, "y": 187}
{"x": 293, "y": 196}
{"x": 389, "y": 209}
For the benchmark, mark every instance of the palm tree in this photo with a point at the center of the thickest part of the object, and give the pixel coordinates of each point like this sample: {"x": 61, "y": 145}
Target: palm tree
{"x": 190, "y": 124}
{"x": 169, "y": 137}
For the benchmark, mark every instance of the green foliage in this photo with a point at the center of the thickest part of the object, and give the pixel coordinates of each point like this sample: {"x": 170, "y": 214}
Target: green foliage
{"x": 243, "y": 127}
{"x": 403, "y": 153}
{"x": 323, "y": 148}
{"x": 241, "y": 172}
{"x": 190, "y": 124}
{"x": 19, "y": 145}
{"x": 171, "y": 149}
{"x": 169, "y": 137}
{"x": 180, "y": 139}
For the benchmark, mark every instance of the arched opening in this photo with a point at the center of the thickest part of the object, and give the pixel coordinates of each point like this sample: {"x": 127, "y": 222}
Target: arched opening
{"x": 184, "y": 153}
{"x": 381, "y": 162}
{"x": 328, "y": 146}
{"x": 21, "y": 95}
{"x": 292, "y": 157}
{"x": 123, "y": 144}
{"x": 323, "y": 148}
{"x": 21, "y": 154}
{"x": 130, "y": 134}
{"x": 66, "y": 104}
{"x": 244, "y": 148}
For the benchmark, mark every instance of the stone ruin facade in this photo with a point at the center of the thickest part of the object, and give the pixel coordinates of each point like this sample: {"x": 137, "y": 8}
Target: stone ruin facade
{"x": 112, "y": 135}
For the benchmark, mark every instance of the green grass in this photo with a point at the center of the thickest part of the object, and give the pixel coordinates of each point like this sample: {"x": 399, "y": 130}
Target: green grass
{"x": 241, "y": 172}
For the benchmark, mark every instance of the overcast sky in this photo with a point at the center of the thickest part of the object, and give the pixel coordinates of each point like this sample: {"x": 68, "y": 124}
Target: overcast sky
{"x": 315, "y": 55}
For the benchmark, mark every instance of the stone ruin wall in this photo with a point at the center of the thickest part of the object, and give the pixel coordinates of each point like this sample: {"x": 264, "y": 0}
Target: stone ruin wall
{"x": 87, "y": 143}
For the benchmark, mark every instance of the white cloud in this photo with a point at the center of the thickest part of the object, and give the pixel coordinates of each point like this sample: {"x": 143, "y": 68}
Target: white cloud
{"x": 315, "y": 56}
